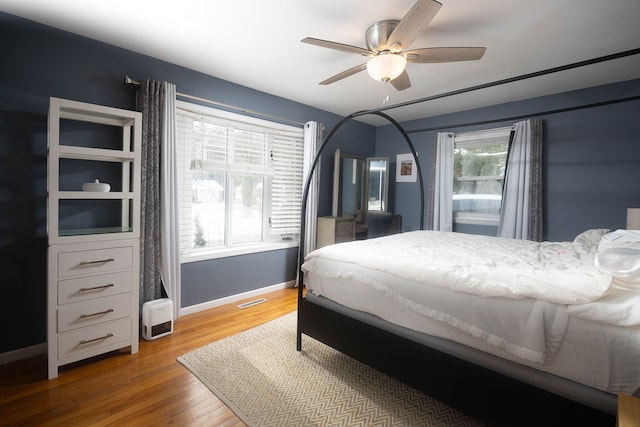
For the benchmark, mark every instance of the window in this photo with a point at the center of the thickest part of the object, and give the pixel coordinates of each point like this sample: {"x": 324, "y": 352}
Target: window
{"x": 240, "y": 182}
{"x": 479, "y": 164}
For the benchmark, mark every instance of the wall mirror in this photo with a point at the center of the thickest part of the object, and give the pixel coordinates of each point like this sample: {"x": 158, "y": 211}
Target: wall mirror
{"x": 348, "y": 186}
{"x": 377, "y": 183}
{"x": 359, "y": 185}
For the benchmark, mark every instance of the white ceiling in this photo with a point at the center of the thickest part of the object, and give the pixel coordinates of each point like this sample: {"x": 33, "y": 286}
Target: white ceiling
{"x": 256, "y": 43}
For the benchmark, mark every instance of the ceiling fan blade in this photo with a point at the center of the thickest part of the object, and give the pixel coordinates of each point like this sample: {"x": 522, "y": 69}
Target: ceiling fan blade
{"x": 337, "y": 46}
{"x": 414, "y": 23}
{"x": 433, "y": 55}
{"x": 401, "y": 82}
{"x": 342, "y": 75}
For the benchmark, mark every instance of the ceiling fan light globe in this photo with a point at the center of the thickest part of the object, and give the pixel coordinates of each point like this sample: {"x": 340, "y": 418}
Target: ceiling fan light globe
{"x": 386, "y": 67}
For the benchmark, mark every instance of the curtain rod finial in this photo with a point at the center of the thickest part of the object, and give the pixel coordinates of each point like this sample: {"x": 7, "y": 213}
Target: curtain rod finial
{"x": 129, "y": 81}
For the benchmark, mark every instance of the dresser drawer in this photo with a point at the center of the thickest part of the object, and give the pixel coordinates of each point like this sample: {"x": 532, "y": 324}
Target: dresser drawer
{"x": 94, "y": 261}
{"x": 90, "y": 287}
{"x": 91, "y": 313}
{"x": 335, "y": 230}
{"x": 345, "y": 228}
{"x": 91, "y": 339}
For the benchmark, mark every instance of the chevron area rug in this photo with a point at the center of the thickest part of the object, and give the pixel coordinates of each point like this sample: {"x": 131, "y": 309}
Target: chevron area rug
{"x": 266, "y": 382}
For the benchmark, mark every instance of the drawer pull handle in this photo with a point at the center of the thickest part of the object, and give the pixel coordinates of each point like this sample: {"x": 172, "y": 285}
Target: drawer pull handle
{"x": 109, "y": 335}
{"x": 97, "y": 288}
{"x": 100, "y": 261}
{"x": 107, "y": 311}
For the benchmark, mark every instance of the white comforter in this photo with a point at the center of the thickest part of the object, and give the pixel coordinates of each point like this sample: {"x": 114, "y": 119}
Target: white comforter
{"x": 418, "y": 270}
{"x": 557, "y": 272}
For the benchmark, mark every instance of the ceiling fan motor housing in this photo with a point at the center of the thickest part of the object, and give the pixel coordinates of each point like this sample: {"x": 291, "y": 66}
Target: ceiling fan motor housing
{"x": 377, "y": 35}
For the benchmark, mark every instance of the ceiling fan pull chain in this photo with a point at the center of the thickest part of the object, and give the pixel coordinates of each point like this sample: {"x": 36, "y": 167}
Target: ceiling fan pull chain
{"x": 386, "y": 97}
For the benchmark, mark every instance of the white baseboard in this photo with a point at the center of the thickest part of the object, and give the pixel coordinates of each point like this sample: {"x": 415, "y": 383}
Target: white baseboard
{"x": 22, "y": 353}
{"x": 26, "y": 352}
{"x": 183, "y": 311}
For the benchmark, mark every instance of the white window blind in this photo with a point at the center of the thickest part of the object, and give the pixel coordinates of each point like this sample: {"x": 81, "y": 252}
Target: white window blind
{"x": 286, "y": 194}
{"x": 236, "y": 173}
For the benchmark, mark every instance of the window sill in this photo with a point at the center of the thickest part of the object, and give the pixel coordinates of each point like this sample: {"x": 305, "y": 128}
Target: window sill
{"x": 476, "y": 219}
{"x": 239, "y": 250}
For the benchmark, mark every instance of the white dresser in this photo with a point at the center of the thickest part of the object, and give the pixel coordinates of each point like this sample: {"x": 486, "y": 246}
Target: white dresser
{"x": 335, "y": 230}
{"x": 93, "y": 255}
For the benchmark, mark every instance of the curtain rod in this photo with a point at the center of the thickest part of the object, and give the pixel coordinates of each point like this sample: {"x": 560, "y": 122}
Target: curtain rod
{"x": 526, "y": 116}
{"x": 132, "y": 82}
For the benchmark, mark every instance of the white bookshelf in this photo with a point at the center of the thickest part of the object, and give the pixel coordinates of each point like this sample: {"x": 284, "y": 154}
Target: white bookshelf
{"x": 93, "y": 269}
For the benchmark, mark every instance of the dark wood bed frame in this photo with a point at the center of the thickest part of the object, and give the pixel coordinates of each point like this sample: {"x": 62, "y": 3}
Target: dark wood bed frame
{"x": 488, "y": 396}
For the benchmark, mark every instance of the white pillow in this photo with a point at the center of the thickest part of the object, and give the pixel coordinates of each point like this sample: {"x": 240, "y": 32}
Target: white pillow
{"x": 619, "y": 255}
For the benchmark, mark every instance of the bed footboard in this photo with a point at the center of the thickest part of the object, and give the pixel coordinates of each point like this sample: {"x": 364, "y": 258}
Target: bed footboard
{"x": 487, "y": 396}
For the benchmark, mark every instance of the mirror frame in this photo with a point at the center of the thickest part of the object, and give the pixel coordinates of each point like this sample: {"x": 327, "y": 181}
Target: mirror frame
{"x": 361, "y": 217}
{"x": 337, "y": 185}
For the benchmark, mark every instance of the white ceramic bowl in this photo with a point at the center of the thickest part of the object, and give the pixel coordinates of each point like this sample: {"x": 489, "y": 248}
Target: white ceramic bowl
{"x": 96, "y": 186}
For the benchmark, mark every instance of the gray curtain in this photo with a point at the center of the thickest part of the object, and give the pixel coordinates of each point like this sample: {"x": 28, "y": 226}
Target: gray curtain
{"x": 150, "y": 102}
{"x": 521, "y": 212}
{"x": 535, "y": 192}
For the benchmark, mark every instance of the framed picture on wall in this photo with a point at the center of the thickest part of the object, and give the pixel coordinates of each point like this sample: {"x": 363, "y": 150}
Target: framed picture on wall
{"x": 405, "y": 168}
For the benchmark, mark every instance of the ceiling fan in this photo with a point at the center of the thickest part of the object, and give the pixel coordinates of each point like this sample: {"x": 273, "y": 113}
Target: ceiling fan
{"x": 387, "y": 42}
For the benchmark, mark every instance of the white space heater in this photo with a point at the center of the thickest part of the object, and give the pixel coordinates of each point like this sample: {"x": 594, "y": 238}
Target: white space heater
{"x": 157, "y": 318}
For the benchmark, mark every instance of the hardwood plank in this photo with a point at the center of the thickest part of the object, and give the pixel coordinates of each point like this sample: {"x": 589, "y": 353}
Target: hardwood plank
{"x": 147, "y": 388}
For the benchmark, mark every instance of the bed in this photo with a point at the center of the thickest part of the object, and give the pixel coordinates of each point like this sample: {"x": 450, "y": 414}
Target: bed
{"x": 478, "y": 321}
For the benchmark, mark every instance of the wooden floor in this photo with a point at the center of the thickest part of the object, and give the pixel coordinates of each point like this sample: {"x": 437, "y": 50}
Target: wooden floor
{"x": 147, "y": 388}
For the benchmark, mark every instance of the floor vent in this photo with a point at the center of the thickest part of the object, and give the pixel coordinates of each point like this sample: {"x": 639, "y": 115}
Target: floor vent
{"x": 252, "y": 303}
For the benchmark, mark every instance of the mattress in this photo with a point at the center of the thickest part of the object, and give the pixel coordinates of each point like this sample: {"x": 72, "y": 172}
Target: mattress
{"x": 563, "y": 340}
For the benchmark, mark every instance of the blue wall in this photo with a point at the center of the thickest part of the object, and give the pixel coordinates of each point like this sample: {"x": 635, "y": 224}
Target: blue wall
{"x": 40, "y": 62}
{"x": 591, "y": 158}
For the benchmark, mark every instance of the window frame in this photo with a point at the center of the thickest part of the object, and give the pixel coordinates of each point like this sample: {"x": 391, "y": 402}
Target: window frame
{"x": 274, "y": 129}
{"x": 479, "y": 138}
